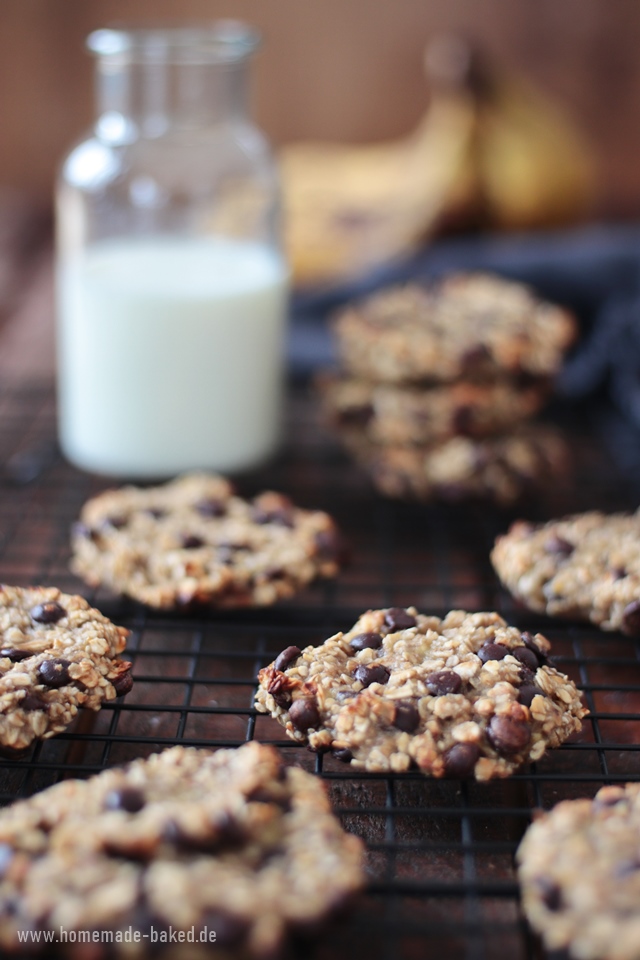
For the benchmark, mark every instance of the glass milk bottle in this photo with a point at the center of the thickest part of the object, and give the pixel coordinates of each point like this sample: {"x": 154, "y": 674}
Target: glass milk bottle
{"x": 171, "y": 285}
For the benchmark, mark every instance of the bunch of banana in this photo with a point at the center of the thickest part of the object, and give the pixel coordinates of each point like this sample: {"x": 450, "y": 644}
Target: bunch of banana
{"x": 489, "y": 152}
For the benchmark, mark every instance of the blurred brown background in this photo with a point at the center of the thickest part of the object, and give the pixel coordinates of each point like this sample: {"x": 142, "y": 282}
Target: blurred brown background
{"x": 339, "y": 69}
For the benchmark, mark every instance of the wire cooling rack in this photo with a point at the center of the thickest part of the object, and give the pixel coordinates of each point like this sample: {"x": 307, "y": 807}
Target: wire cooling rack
{"x": 440, "y": 858}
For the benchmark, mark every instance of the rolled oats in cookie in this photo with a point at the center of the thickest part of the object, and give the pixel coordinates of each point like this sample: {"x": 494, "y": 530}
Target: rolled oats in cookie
{"x": 57, "y": 653}
{"x": 465, "y": 696}
{"x": 584, "y": 567}
{"x": 230, "y": 844}
{"x": 579, "y": 872}
{"x": 467, "y": 326}
{"x": 502, "y": 469}
{"x": 192, "y": 541}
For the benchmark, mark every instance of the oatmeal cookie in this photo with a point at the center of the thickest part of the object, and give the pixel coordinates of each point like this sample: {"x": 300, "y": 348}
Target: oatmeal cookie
{"x": 230, "y": 845}
{"x": 192, "y": 541}
{"x": 579, "y": 870}
{"x": 460, "y": 697}
{"x": 585, "y": 567}
{"x": 467, "y": 326}
{"x": 504, "y": 469}
{"x": 57, "y": 654}
{"x": 386, "y": 413}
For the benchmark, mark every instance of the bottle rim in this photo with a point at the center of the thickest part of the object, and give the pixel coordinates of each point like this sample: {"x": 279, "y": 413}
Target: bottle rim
{"x": 219, "y": 41}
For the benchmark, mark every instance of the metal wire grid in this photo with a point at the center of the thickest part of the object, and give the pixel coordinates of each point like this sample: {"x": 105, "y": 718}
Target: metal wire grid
{"x": 441, "y": 853}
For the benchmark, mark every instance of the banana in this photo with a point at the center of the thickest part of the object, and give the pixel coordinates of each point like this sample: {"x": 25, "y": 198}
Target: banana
{"x": 489, "y": 152}
{"x": 348, "y": 208}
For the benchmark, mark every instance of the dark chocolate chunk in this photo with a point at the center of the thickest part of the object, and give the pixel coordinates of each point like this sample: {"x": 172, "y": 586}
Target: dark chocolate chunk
{"x": 530, "y": 643}
{"x": 508, "y": 736}
{"x": 129, "y": 799}
{"x": 527, "y": 692}
{"x": 375, "y": 673}
{"x": 123, "y": 683}
{"x": 460, "y": 760}
{"x": 396, "y": 618}
{"x": 117, "y": 522}
{"x": 492, "y": 651}
{"x": 282, "y": 516}
{"x": 406, "y": 716}
{"x": 475, "y": 359}
{"x": 330, "y": 545}
{"x": 210, "y": 507}
{"x": 304, "y": 714}
{"x": 79, "y": 529}
{"x": 558, "y": 546}
{"x": 631, "y": 619}
{"x": 288, "y": 656}
{"x": 364, "y": 641}
{"x": 14, "y": 654}
{"x": 54, "y": 673}
{"x": 343, "y": 754}
{"x": 443, "y": 682}
{"x": 463, "y": 421}
{"x": 191, "y": 542}
{"x": 550, "y": 893}
{"x": 526, "y": 656}
{"x": 31, "y": 702}
{"x": 156, "y": 513}
{"x": 49, "y": 612}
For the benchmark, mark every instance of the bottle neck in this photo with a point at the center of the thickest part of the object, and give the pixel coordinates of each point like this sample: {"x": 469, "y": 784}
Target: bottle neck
{"x": 154, "y": 98}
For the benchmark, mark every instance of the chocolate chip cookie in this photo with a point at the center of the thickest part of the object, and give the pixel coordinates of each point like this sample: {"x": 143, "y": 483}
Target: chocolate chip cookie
{"x": 231, "y": 848}
{"x": 584, "y": 567}
{"x": 397, "y": 415}
{"x": 467, "y": 696}
{"x": 57, "y": 654}
{"x": 192, "y": 541}
{"x": 503, "y": 469}
{"x": 467, "y": 326}
{"x": 579, "y": 870}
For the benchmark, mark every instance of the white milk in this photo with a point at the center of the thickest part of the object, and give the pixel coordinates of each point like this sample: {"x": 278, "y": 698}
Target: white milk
{"x": 170, "y": 355}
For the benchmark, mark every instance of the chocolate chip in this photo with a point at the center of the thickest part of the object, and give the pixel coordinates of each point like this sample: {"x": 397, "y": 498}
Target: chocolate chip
{"x": 281, "y": 516}
{"x": 228, "y": 834}
{"x": 330, "y": 545}
{"x": 619, "y": 573}
{"x": 156, "y": 513}
{"x": 558, "y": 546}
{"x": 190, "y": 541}
{"x": 117, "y": 522}
{"x": 210, "y": 507}
{"x": 527, "y": 692}
{"x": 15, "y": 655}
{"x": 631, "y": 619}
{"x": 530, "y": 643}
{"x": 460, "y": 760}
{"x": 463, "y": 421}
{"x": 526, "y": 656}
{"x": 550, "y": 893}
{"x": 264, "y": 795}
{"x": 54, "y": 673}
{"x": 475, "y": 359}
{"x": 376, "y": 673}
{"x": 49, "y": 612}
{"x": 123, "y": 683}
{"x": 129, "y": 799}
{"x": 406, "y": 716}
{"x": 288, "y": 656}
{"x": 508, "y": 736}
{"x": 492, "y": 651}
{"x": 31, "y": 702}
{"x": 79, "y": 529}
{"x": 443, "y": 682}
{"x": 366, "y": 641}
{"x": 304, "y": 714}
{"x": 356, "y": 416}
{"x": 396, "y": 618}
{"x": 343, "y": 754}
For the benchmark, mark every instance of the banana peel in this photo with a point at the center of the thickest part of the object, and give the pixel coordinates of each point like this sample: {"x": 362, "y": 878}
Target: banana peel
{"x": 489, "y": 151}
